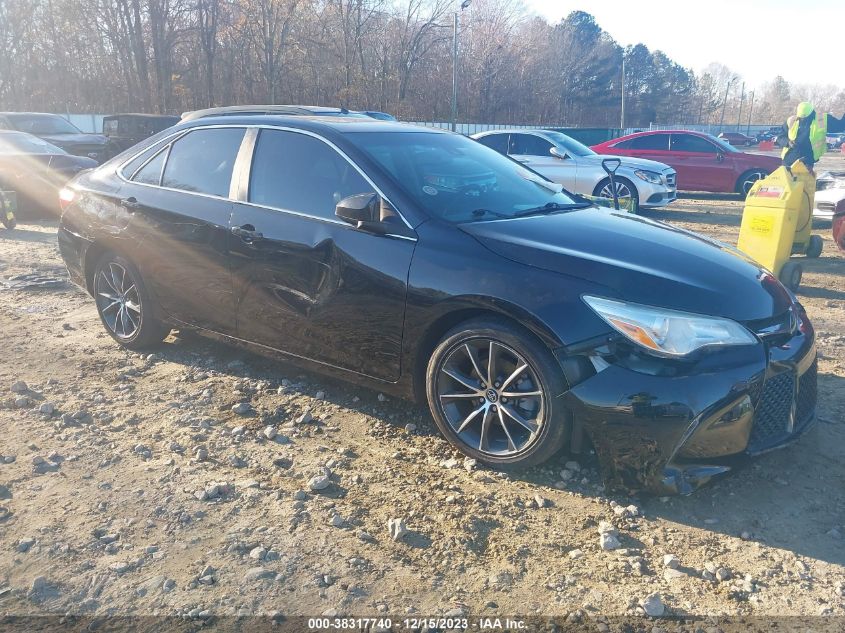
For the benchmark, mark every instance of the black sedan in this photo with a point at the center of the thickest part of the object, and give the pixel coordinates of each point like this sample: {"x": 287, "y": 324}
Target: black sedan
{"x": 427, "y": 265}
{"x": 58, "y": 131}
{"x": 36, "y": 170}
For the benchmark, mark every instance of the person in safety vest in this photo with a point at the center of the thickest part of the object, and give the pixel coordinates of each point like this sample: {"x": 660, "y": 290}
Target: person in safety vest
{"x": 806, "y": 135}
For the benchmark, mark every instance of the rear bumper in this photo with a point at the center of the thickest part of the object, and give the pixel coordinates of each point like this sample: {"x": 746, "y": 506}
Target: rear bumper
{"x": 73, "y": 248}
{"x": 671, "y": 434}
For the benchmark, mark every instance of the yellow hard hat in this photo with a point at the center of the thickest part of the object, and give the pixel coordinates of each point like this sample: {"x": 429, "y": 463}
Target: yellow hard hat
{"x": 805, "y": 108}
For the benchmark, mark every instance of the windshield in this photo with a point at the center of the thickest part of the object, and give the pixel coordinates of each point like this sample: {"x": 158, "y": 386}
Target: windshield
{"x": 572, "y": 147}
{"x": 14, "y": 143}
{"x": 723, "y": 144}
{"x": 460, "y": 180}
{"x": 42, "y": 124}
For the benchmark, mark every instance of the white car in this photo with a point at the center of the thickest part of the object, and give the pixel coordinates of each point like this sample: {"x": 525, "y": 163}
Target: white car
{"x": 564, "y": 160}
{"x": 830, "y": 191}
{"x": 835, "y": 140}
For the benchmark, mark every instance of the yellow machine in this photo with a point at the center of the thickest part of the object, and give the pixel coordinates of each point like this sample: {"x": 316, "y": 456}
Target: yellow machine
{"x": 778, "y": 220}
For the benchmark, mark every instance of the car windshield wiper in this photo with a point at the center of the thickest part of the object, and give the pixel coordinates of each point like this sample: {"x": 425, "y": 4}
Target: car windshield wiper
{"x": 552, "y": 207}
{"x": 477, "y": 213}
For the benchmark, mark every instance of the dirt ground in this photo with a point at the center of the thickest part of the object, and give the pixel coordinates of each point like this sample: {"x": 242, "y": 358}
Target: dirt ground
{"x": 128, "y": 486}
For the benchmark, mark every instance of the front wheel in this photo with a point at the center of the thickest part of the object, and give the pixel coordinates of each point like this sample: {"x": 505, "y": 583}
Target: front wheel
{"x": 123, "y": 303}
{"x": 624, "y": 189}
{"x": 492, "y": 390}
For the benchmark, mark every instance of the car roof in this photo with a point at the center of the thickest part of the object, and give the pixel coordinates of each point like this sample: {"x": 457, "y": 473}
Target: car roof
{"x": 257, "y": 110}
{"x": 12, "y": 114}
{"x": 538, "y": 130}
{"x": 314, "y": 123}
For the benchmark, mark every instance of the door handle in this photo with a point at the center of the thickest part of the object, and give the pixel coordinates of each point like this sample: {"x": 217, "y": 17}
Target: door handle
{"x": 247, "y": 233}
{"x": 130, "y": 203}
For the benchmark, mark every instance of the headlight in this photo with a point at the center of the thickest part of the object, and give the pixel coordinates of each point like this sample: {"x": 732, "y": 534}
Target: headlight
{"x": 668, "y": 332}
{"x": 649, "y": 176}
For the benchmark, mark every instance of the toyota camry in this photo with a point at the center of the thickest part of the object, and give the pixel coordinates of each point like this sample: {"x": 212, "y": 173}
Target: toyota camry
{"x": 427, "y": 265}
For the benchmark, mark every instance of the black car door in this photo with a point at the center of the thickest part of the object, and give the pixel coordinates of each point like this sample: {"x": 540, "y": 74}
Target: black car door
{"x": 180, "y": 207}
{"x": 307, "y": 283}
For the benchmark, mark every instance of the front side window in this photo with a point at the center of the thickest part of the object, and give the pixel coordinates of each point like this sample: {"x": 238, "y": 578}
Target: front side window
{"x": 297, "y": 172}
{"x": 529, "y": 145}
{"x": 202, "y": 161}
{"x": 692, "y": 143}
{"x": 457, "y": 179}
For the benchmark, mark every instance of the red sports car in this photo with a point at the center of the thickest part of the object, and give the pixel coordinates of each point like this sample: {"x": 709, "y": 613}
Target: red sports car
{"x": 702, "y": 161}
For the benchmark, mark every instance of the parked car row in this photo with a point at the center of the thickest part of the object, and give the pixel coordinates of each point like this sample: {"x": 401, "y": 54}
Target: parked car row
{"x": 429, "y": 266}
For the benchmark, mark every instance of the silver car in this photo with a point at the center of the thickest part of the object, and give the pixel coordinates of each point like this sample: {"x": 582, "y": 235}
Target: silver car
{"x": 564, "y": 160}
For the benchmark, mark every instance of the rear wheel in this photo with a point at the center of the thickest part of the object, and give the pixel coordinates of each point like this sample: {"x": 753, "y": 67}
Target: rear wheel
{"x": 815, "y": 247}
{"x": 790, "y": 275}
{"x": 492, "y": 389}
{"x": 747, "y": 180}
{"x": 123, "y": 303}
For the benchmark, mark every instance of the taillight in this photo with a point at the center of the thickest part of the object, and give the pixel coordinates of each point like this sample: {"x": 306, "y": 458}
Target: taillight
{"x": 66, "y": 196}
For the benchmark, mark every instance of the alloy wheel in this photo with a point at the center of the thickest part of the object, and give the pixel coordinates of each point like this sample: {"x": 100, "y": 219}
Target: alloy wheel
{"x": 118, "y": 300}
{"x": 750, "y": 179}
{"x": 491, "y": 397}
{"x": 622, "y": 191}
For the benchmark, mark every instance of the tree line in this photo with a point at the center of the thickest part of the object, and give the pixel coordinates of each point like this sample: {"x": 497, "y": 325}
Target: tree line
{"x": 169, "y": 56}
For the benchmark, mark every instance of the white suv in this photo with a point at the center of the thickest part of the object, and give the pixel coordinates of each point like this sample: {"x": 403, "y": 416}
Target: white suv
{"x": 564, "y": 160}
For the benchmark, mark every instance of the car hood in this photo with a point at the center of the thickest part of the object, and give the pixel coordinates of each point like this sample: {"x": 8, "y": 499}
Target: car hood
{"x": 69, "y": 140}
{"x": 627, "y": 161}
{"x": 639, "y": 260}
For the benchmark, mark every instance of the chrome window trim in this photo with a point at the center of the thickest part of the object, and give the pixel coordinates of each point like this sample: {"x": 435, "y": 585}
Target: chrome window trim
{"x": 169, "y": 140}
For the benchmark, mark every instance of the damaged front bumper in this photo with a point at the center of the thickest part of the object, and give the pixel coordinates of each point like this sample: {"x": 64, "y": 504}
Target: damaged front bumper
{"x": 669, "y": 427}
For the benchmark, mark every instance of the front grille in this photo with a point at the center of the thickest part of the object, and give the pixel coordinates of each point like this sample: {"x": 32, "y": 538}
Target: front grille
{"x": 771, "y": 419}
{"x": 780, "y": 413}
{"x": 826, "y": 206}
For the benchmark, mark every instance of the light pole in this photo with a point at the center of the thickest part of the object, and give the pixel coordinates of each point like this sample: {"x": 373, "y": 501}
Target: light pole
{"x": 464, "y": 5}
{"x": 622, "y": 117}
{"x": 750, "y": 110}
{"x": 741, "y": 101}
{"x": 725, "y": 102}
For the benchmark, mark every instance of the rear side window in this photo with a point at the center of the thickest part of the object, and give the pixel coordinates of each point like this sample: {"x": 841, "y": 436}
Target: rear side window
{"x": 498, "y": 142}
{"x": 529, "y": 145}
{"x": 692, "y": 143}
{"x": 659, "y": 142}
{"x": 150, "y": 174}
{"x": 297, "y": 172}
{"x": 203, "y": 160}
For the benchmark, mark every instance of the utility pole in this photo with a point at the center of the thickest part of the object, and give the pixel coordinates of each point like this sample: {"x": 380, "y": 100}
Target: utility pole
{"x": 741, "y": 100}
{"x": 750, "y": 110}
{"x": 464, "y": 5}
{"x": 725, "y": 102}
{"x": 622, "y": 117}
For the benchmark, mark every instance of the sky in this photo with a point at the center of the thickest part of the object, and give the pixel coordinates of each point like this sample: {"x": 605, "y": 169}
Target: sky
{"x": 758, "y": 39}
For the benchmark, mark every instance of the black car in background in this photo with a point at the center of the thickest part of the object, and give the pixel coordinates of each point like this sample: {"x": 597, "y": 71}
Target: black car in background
{"x": 125, "y": 130}
{"x": 58, "y": 131}
{"x": 36, "y": 170}
{"x": 526, "y": 318}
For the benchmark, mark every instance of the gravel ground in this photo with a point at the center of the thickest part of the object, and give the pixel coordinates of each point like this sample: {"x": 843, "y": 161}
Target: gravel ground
{"x": 204, "y": 482}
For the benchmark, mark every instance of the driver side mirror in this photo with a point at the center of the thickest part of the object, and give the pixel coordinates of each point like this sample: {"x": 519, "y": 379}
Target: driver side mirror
{"x": 365, "y": 211}
{"x": 558, "y": 153}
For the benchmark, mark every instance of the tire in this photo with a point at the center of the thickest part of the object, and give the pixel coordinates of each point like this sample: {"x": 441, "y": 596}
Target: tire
{"x": 603, "y": 190}
{"x": 790, "y": 275}
{"x": 124, "y": 304}
{"x": 463, "y": 407}
{"x": 815, "y": 246}
{"x": 747, "y": 180}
